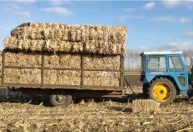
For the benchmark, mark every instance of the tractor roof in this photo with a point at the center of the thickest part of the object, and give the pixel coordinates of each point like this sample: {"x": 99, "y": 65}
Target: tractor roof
{"x": 161, "y": 52}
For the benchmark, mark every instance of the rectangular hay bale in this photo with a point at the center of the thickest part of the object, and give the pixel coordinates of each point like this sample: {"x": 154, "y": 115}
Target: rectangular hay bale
{"x": 22, "y": 59}
{"x": 62, "y": 77}
{"x": 101, "y": 78}
{"x": 22, "y": 76}
{"x": 147, "y": 106}
{"x": 62, "y": 61}
{"x": 102, "y": 62}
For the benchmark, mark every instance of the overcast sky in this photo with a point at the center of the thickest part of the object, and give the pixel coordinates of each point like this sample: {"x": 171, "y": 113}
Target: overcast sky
{"x": 152, "y": 25}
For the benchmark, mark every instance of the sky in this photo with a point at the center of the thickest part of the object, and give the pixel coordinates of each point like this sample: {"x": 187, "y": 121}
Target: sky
{"x": 152, "y": 25}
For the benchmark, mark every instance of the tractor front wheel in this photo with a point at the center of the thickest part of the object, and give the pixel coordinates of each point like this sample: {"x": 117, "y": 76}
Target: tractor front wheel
{"x": 163, "y": 91}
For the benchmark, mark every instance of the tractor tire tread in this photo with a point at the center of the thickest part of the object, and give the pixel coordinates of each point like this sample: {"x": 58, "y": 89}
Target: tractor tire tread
{"x": 169, "y": 83}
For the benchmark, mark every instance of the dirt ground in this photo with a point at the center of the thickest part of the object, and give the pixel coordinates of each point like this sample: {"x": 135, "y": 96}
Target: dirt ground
{"x": 133, "y": 79}
{"x": 105, "y": 116}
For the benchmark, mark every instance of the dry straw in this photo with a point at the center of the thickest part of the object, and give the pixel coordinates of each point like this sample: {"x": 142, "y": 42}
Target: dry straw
{"x": 94, "y": 46}
{"x": 62, "y": 77}
{"x": 145, "y": 106}
{"x": 101, "y": 78}
{"x": 67, "y": 38}
{"x": 22, "y": 76}
{"x": 102, "y": 62}
{"x": 114, "y": 34}
{"x": 106, "y": 116}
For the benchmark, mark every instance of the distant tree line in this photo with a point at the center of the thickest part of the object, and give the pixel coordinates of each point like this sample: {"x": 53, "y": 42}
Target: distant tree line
{"x": 133, "y": 60}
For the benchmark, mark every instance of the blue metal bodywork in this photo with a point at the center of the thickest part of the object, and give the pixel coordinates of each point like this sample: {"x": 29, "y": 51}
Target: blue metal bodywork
{"x": 149, "y": 76}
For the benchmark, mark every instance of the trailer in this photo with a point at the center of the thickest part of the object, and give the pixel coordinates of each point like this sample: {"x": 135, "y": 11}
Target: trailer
{"x": 60, "y": 94}
{"x": 163, "y": 75}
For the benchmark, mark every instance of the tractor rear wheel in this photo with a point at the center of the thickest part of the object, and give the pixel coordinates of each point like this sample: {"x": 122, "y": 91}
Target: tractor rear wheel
{"x": 162, "y": 90}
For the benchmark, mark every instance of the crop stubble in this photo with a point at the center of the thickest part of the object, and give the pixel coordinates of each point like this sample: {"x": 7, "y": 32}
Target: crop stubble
{"x": 96, "y": 117}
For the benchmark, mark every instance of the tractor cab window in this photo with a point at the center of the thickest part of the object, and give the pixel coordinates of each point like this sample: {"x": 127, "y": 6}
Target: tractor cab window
{"x": 175, "y": 64}
{"x": 156, "y": 63}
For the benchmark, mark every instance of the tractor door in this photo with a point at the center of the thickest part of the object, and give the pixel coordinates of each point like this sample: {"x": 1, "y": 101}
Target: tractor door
{"x": 178, "y": 71}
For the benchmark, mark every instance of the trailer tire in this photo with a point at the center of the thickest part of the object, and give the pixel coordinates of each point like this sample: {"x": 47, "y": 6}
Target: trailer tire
{"x": 162, "y": 90}
{"x": 60, "y": 100}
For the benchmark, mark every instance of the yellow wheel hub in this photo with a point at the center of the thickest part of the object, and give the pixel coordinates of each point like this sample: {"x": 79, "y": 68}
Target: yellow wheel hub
{"x": 161, "y": 92}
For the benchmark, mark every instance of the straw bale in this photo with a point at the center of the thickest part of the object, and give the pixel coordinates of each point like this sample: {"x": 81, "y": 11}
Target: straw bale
{"x": 22, "y": 76}
{"x": 62, "y": 77}
{"x": 37, "y": 33}
{"x": 101, "y": 78}
{"x": 14, "y": 43}
{"x": 64, "y": 46}
{"x": 22, "y": 59}
{"x": 147, "y": 106}
{"x": 75, "y": 33}
{"x": 84, "y": 33}
{"x": 41, "y": 25}
{"x": 46, "y": 25}
{"x": 102, "y": 62}
{"x": 62, "y": 61}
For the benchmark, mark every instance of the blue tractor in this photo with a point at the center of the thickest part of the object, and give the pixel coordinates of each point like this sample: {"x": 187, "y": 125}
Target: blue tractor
{"x": 164, "y": 76}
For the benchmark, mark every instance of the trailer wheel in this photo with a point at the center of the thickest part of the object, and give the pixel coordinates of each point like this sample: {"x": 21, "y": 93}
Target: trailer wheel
{"x": 163, "y": 91}
{"x": 59, "y": 99}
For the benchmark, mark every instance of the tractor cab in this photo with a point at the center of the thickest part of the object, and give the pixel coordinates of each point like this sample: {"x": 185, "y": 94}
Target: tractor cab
{"x": 164, "y": 75}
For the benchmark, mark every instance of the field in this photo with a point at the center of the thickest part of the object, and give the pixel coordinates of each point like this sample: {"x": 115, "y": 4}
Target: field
{"x": 18, "y": 114}
{"x": 28, "y": 114}
{"x": 133, "y": 78}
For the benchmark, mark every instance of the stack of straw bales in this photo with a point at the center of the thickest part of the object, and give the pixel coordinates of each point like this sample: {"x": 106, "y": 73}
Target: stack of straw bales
{"x": 65, "y": 38}
{"x": 61, "y": 77}
{"x": 62, "y": 45}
